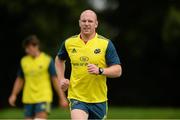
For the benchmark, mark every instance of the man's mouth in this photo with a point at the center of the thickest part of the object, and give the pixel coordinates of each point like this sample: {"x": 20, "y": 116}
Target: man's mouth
{"x": 86, "y": 28}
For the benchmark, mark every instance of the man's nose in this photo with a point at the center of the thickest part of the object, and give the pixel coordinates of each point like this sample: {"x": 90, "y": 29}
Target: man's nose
{"x": 86, "y": 23}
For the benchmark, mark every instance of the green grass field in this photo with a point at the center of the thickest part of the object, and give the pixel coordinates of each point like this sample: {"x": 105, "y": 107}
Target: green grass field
{"x": 113, "y": 113}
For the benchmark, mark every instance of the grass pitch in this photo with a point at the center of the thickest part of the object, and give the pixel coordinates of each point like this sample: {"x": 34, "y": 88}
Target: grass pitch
{"x": 113, "y": 113}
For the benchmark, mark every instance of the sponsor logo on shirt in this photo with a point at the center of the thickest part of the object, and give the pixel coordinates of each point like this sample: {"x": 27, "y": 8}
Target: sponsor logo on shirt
{"x": 84, "y": 58}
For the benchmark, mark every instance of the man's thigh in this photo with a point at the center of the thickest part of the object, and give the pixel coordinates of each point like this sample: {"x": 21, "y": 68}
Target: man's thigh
{"x": 42, "y": 109}
{"x": 78, "y": 109}
{"x": 29, "y": 112}
{"x": 82, "y": 110}
{"x": 78, "y": 114}
{"x": 98, "y": 110}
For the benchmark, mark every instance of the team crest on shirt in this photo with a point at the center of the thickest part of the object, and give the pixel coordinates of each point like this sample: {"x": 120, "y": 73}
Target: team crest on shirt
{"x": 97, "y": 51}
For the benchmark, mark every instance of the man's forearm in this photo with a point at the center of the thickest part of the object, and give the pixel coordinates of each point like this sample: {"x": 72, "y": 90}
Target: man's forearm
{"x": 59, "y": 91}
{"x": 60, "y": 68}
{"x": 113, "y": 71}
{"x": 18, "y": 85}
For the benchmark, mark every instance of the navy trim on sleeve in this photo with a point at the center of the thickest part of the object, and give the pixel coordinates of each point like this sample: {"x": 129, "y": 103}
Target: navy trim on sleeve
{"x": 51, "y": 69}
{"x": 111, "y": 55}
{"x": 20, "y": 73}
{"x": 62, "y": 54}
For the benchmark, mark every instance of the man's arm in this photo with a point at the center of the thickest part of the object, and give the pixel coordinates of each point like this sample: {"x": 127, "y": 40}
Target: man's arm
{"x": 111, "y": 72}
{"x": 62, "y": 97}
{"x": 113, "y": 62}
{"x": 60, "y": 68}
{"x": 18, "y": 85}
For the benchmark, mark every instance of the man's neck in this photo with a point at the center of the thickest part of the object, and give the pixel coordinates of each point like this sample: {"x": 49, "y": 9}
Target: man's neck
{"x": 37, "y": 54}
{"x": 86, "y": 38}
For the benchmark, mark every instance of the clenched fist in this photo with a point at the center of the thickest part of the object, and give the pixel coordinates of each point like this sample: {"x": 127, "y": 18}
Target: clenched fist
{"x": 12, "y": 100}
{"x": 64, "y": 84}
{"x": 93, "y": 69}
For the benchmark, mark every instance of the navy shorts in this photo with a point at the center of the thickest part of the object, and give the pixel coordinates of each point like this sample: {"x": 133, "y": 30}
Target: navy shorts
{"x": 32, "y": 109}
{"x": 94, "y": 110}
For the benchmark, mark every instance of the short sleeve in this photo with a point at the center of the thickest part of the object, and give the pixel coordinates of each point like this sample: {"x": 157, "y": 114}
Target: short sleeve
{"x": 111, "y": 55}
{"x": 62, "y": 53}
{"x": 20, "y": 73}
{"x": 51, "y": 69}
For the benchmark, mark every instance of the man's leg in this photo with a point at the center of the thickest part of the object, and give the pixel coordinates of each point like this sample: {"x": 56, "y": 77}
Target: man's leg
{"x": 98, "y": 111}
{"x": 41, "y": 116}
{"x": 79, "y": 110}
{"x": 42, "y": 110}
{"x": 77, "y": 114}
{"x": 29, "y": 111}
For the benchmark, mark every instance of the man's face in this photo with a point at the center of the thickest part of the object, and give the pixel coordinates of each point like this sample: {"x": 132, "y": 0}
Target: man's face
{"x": 88, "y": 23}
{"x": 31, "y": 50}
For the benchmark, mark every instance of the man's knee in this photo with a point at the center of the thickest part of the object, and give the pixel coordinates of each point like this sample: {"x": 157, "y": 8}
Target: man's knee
{"x": 78, "y": 114}
{"x": 41, "y": 116}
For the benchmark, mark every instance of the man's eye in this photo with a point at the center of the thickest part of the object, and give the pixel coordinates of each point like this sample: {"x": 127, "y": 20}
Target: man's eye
{"x": 90, "y": 21}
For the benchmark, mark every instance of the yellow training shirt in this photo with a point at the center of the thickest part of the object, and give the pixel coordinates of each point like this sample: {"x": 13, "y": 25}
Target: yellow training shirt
{"x": 84, "y": 86}
{"x": 36, "y": 73}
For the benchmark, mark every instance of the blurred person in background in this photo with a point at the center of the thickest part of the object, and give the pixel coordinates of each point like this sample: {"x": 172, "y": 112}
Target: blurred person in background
{"x": 93, "y": 58}
{"x": 34, "y": 77}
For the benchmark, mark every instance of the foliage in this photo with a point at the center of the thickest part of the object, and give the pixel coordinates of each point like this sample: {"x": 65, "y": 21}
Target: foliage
{"x": 51, "y": 20}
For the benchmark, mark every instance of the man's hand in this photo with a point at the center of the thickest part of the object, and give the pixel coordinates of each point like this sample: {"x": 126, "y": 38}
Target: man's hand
{"x": 93, "y": 69}
{"x": 64, "y": 84}
{"x": 63, "y": 103}
{"x": 12, "y": 100}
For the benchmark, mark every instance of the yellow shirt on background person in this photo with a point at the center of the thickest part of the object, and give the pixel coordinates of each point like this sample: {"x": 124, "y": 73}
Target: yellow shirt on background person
{"x": 37, "y": 72}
